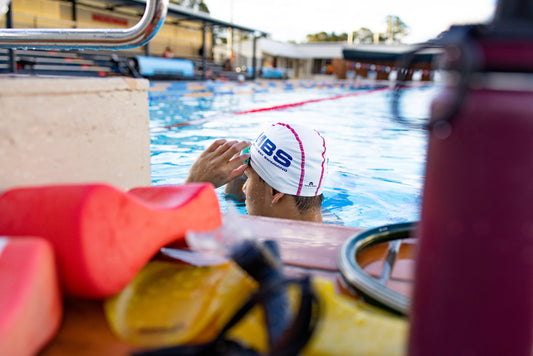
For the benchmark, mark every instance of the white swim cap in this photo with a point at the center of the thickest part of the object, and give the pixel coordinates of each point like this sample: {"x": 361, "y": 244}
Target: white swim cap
{"x": 291, "y": 158}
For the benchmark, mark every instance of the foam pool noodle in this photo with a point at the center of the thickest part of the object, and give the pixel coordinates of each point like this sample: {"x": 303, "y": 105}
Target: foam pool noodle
{"x": 31, "y": 304}
{"x": 103, "y": 236}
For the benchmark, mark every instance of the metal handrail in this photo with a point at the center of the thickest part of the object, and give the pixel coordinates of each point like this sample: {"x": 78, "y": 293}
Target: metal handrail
{"x": 138, "y": 35}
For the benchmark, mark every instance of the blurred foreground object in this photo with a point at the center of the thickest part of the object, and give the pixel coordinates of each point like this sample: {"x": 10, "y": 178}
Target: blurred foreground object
{"x": 474, "y": 276}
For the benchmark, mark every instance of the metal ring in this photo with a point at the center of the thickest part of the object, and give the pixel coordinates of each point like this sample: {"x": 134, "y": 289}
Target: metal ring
{"x": 357, "y": 279}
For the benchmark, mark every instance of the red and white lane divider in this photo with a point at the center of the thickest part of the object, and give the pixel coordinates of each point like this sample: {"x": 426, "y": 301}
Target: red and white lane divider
{"x": 277, "y": 107}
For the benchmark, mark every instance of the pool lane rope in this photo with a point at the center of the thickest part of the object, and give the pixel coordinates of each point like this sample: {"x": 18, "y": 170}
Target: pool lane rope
{"x": 286, "y": 106}
{"x": 278, "y": 107}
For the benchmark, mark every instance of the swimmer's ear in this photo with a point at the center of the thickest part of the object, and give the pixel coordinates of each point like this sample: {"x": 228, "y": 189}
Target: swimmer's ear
{"x": 277, "y": 196}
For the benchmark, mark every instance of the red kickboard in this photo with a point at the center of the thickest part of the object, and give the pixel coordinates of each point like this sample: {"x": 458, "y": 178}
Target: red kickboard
{"x": 103, "y": 236}
{"x": 31, "y": 303}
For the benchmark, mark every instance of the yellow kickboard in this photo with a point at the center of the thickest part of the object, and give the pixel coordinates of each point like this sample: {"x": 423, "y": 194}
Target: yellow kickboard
{"x": 176, "y": 304}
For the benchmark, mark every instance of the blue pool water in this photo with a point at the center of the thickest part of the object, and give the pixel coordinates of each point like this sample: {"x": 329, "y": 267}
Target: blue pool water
{"x": 376, "y": 165}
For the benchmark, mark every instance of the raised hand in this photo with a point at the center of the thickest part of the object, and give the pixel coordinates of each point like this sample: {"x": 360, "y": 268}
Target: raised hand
{"x": 220, "y": 163}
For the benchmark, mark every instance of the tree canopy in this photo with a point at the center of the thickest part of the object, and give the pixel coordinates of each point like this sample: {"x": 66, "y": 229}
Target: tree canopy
{"x": 193, "y": 4}
{"x": 395, "y": 31}
{"x": 326, "y": 37}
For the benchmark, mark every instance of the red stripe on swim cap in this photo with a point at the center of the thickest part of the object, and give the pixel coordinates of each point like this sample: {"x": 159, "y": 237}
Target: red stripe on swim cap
{"x": 302, "y": 171}
{"x": 323, "y": 161}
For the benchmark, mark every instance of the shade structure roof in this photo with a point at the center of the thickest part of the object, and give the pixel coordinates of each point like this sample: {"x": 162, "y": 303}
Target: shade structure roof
{"x": 387, "y": 53}
{"x": 186, "y": 14}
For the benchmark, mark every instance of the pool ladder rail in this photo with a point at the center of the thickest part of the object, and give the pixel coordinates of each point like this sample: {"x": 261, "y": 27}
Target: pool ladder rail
{"x": 73, "y": 38}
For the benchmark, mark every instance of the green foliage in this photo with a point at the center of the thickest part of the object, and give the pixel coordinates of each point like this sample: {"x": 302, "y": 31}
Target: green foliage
{"x": 193, "y": 4}
{"x": 396, "y": 29}
{"x": 326, "y": 37}
{"x": 363, "y": 35}
{"x": 203, "y": 7}
{"x": 394, "y": 33}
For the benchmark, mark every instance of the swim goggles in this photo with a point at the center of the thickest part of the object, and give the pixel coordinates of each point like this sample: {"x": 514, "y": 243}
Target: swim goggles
{"x": 246, "y": 150}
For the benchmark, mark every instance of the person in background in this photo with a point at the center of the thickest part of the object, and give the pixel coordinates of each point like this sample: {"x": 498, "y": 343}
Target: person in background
{"x": 284, "y": 171}
{"x": 227, "y": 66}
{"x": 168, "y": 53}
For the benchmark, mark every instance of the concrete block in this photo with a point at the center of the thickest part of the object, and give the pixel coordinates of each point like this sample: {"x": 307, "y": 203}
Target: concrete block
{"x": 74, "y": 130}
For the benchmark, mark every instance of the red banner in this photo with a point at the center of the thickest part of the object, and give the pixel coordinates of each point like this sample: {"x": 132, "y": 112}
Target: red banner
{"x": 110, "y": 19}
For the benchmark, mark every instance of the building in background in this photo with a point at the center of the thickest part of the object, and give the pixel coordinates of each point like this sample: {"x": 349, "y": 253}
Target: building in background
{"x": 216, "y": 48}
{"x": 288, "y": 60}
{"x": 337, "y": 60}
{"x": 381, "y": 61}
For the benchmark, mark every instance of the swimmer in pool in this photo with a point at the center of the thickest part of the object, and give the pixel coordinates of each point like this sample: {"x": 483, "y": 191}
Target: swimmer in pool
{"x": 283, "y": 174}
